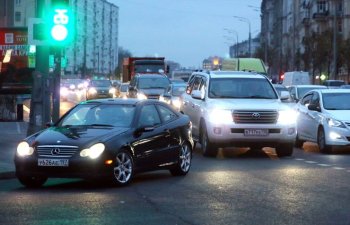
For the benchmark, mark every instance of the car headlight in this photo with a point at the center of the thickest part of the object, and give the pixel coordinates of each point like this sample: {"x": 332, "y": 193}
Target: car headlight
{"x": 92, "y": 91}
{"x": 72, "y": 86}
{"x": 335, "y": 123}
{"x": 141, "y": 96}
{"x": 94, "y": 151}
{"x": 176, "y": 103}
{"x": 287, "y": 117}
{"x": 64, "y": 91}
{"x": 218, "y": 116}
{"x": 23, "y": 149}
{"x": 112, "y": 90}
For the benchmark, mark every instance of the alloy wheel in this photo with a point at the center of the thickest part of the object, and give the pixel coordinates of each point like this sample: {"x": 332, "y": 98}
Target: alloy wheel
{"x": 123, "y": 169}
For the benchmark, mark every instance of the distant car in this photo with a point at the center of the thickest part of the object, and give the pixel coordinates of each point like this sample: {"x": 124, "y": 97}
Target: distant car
{"x": 148, "y": 86}
{"x": 324, "y": 118}
{"x": 107, "y": 138}
{"x": 172, "y": 96}
{"x": 123, "y": 90}
{"x": 333, "y": 83}
{"x": 298, "y": 91}
{"x": 100, "y": 89}
{"x": 177, "y": 81}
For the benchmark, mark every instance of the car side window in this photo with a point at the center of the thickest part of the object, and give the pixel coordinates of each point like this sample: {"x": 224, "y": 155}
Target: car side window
{"x": 149, "y": 116}
{"x": 197, "y": 83}
{"x": 306, "y": 100}
{"x": 190, "y": 83}
{"x": 166, "y": 114}
{"x": 315, "y": 100}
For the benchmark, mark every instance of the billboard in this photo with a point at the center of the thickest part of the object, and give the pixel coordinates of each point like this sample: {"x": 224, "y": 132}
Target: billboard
{"x": 15, "y": 73}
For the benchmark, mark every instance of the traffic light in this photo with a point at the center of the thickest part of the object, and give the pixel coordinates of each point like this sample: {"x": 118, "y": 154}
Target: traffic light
{"x": 60, "y": 23}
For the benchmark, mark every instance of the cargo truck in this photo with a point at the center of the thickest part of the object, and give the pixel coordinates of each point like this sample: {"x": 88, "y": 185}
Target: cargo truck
{"x": 143, "y": 65}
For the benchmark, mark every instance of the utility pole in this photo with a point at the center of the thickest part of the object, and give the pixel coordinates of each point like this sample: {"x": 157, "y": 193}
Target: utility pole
{"x": 56, "y": 79}
{"x": 335, "y": 46}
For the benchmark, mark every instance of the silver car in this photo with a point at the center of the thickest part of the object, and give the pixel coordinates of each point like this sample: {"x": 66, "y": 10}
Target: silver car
{"x": 230, "y": 108}
{"x": 324, "y": 118}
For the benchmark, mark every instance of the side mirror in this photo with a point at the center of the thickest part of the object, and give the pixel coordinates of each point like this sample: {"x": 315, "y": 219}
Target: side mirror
{"x": 314, "y": 107}
{"x": 285, "y": 95}
{"x": 197, "y": 94}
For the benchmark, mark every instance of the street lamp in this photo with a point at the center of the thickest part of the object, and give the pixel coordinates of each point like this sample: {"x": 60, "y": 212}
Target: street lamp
{"x": 231, "y": 31}
{"x": 243, "y": 19}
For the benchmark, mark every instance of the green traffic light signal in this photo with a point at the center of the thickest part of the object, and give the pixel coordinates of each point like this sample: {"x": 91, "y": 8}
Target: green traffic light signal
{"x": 60, "y": 24}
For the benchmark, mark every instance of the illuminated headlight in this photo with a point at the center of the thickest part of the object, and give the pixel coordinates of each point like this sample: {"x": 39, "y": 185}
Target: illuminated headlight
{"x": 23, "y": 149}
{"x": 218, "y": 116}
{"x": 112, "y": 90}
{"x": 92, "y": 91}
{"x": 141, "y": 96}
{"x": 334, "y": 136}
{"x": 72, "y": 87}
{"x": 64, "y": 91}
{"x": 335, "y": 123}
{"x": 176, "y": 103}
{"x": 288, "y": 117}
{"x": 94, "y": 151}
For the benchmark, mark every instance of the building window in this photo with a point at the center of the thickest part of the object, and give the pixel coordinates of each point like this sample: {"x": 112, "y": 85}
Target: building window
{"x": 18, "y": 2}
{"x": 18, "y": 16}
{"x": 321, "y": 6}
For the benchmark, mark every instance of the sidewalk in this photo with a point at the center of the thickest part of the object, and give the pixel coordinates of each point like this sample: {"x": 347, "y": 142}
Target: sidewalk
{"x": 10, "y": 135}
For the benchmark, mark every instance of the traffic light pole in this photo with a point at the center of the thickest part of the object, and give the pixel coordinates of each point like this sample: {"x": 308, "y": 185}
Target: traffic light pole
{"x": 57, "y": 79}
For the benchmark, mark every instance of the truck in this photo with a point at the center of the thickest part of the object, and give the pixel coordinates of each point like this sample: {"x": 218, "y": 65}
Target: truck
{"x": 296, "y": 78}
{"x": 244, "y": 64}
{"x": 143, "y": 65}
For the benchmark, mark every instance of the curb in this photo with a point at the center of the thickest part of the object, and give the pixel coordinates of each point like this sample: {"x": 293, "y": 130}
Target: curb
{"x": 7, "y": 175}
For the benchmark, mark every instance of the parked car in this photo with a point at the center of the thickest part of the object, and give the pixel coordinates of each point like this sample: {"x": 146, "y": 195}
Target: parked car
{"x": 298, "y": 91}
{"x": 240, "y": 109}
{"x": 148, "y": 86}
{"x": 172, "y": 96}
{"x": 324, "y": 118}
{"x": 100, "y": 89}
{"x": 107, "y": 138}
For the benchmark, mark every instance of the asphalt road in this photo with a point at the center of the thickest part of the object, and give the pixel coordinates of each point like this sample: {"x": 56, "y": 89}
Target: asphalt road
{"x": 244, "y": 187}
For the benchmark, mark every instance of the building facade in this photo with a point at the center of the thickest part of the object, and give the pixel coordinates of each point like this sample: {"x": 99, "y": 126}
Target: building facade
{"x": 94, "y": 50}
{"x": 294, "y": 31}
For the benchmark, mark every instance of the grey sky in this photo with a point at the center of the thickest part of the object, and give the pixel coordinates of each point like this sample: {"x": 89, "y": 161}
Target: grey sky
{"x": 184, "y": 31}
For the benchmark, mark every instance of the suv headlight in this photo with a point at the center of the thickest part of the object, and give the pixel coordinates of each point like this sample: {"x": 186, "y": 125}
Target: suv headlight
{"x": 287, "y": 117}
{"x": 218, "y": 116}
{"x": 23, "y": 149}
{"x": 335, "y": 123}
{"x": 141, "y": 96}
{"x": 94, "y": 151}
{"x": 92, "y": 91}
{"x": 112, "y": 90}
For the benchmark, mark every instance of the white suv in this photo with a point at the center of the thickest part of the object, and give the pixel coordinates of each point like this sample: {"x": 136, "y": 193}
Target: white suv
{"x": 241, "y": 109}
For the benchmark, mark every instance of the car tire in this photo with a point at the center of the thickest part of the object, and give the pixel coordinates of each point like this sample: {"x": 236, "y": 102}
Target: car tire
{"x": 123, "y": 170}
{"x": 31, "y": 181}
{"x": 298, "y": 143}
{"x": 321, "y": 142}
{"x": 183, "y": 164}
{"x": 208, "y": 149}
{"x": 283, "y": 150}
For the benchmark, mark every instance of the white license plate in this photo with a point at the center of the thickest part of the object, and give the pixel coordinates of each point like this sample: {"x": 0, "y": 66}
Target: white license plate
{"x": 53, "y": 162}
{"x": 256, "y": 132}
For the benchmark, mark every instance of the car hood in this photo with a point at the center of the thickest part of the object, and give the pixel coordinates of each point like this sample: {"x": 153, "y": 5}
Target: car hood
{"x": 152, "y": 91}
{"x": 76, "y": 136}
{"x": 248, "y": 104}
{"x": 343, "y": 115}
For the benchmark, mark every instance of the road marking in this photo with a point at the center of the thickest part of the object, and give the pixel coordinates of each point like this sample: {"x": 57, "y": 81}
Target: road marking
{"x": 311, "y": 162}
{"x": 299, "y": 159}
{"x": 338, "y": 168}
{"x": 323, "y": 164}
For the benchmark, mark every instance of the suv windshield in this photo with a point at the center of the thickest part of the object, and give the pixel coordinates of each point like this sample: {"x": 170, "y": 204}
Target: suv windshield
{"x": 241, "y": 88}
{"x": 153, "y": 82}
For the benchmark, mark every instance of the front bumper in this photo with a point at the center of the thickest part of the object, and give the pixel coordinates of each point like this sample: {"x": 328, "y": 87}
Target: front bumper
{"x": 234, "y": 135}
{"x": 336, "y": 136}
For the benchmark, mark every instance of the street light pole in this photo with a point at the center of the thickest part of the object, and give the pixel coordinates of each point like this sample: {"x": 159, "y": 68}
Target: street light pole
{"x": 243, "y": 19}
{"x": 236, "y": 33}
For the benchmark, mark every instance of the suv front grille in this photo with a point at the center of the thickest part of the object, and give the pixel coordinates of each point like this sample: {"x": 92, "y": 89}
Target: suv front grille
{"x": 255, "y": 116}
{"x": 56, "y": 151}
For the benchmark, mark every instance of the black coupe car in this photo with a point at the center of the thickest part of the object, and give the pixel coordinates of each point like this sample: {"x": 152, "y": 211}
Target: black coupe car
{"x": 107, "y": 138}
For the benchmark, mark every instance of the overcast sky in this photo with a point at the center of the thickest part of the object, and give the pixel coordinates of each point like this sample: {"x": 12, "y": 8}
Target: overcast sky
{"x": 184, "y": 31}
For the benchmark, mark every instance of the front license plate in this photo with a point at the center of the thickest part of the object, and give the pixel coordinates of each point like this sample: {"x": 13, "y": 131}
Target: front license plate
{"x": 256, "y": 132}
{"x": 53, "y": 162}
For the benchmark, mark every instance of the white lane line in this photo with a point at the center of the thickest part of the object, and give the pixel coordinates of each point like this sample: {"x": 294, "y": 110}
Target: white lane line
{"x": 299, "y": 159}
{"x": 311, "y": 162}
{"x": 338, "y": 168}
{"x": 323, "y": 164}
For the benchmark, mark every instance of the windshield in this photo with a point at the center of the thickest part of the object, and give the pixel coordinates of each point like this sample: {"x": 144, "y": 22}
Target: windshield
{"x": 100, "y": 83}
{"x": 153, "y": 82}
{"x": 336, "y": 101}
{"x": 154, "y": 68}
{"x": 303, "y": 90}
{"x": 101, "y": 114}
{"x": 178, "y": 90}
{"x": 241, "y": 88}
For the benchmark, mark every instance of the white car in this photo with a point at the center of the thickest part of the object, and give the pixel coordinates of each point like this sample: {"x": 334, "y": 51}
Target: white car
{"x": 324, "y": 118}
{"x": 230, "y": 108}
